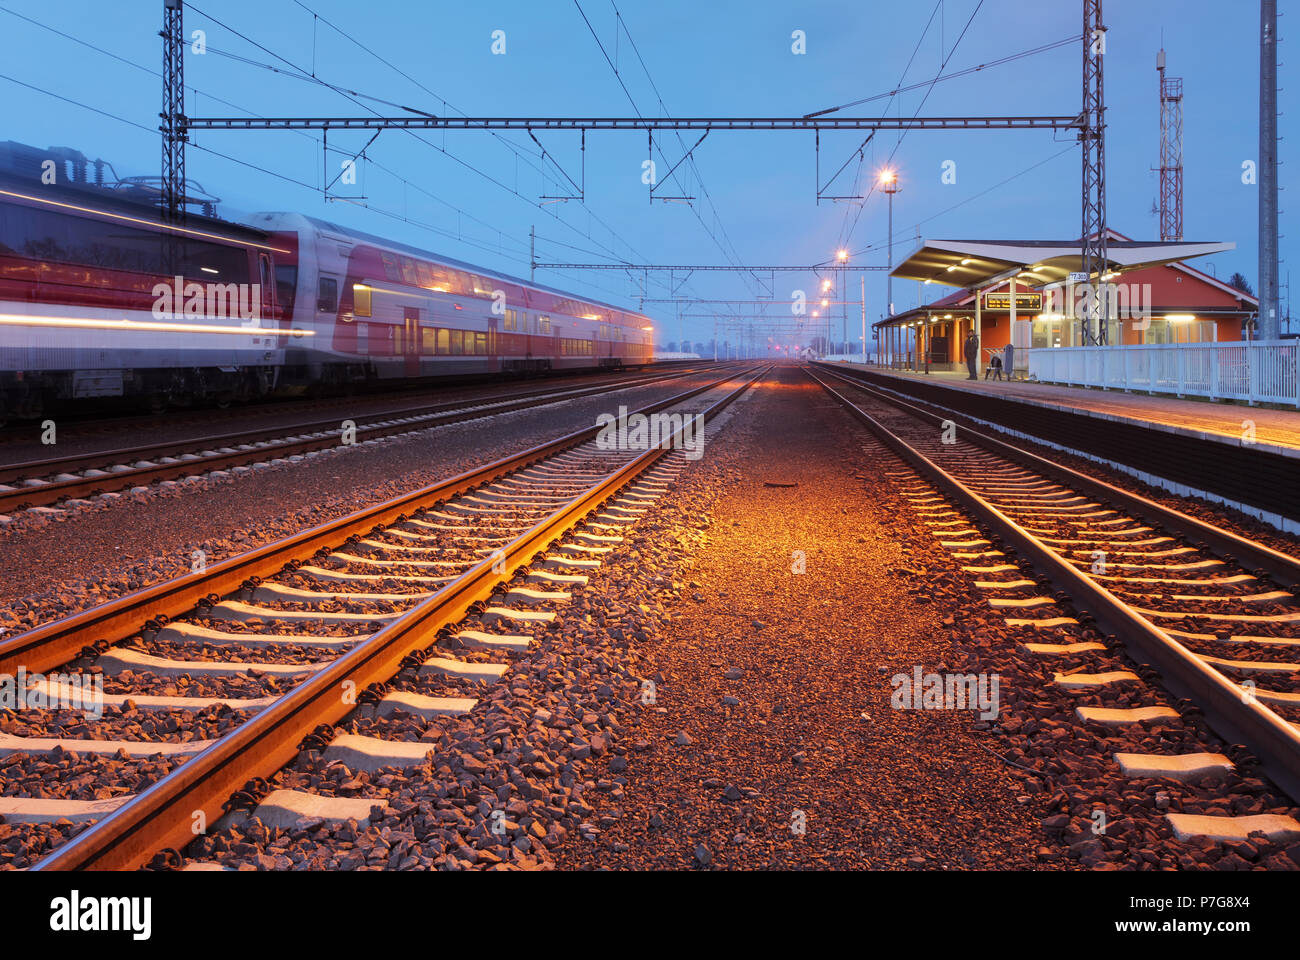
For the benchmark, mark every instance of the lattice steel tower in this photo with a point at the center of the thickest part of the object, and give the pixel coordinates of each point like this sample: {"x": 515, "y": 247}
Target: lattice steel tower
{"x": 1093, "y": 328}
{"x": 1171, "y": 153}
{"x": 173, "y": 111}
{"x": 1270, "y": 319}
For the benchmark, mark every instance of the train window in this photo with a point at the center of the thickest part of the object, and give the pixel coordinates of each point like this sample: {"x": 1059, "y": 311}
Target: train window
{"x": 427, "y": 345}
{"x": 286, "y": 285}
{"x": 457, "y": 343}
{"x": 409, "y": 272}
{"x": 480, "y": 344}
{"x": 443, "y": 342}
{"x": 546, "y": 325}
{"x": 395, "y": 334}
{"x": 426, "y": 274}
{"x": 360, "y": 300}
{"x": 327, "y": 299}
{"x": 390, "y": 267}
{"x": 65, "y": 238}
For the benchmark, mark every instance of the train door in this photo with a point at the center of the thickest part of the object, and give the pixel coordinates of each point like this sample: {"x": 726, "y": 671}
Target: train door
{"x": 266, "y": 278}
{"x": 411, "y": 340}
{"x": 493, "y": 346}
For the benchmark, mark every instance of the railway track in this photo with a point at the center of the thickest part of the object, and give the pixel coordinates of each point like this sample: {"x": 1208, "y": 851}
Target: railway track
{"x": 1214, "y": 615}
{"x": 220, "y": 678}
{"x": 200, "y": 417}
{"x": 40, "y": 483}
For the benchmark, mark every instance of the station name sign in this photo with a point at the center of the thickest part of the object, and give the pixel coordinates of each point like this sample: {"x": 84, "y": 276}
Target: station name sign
{"x": 1029, "y": 302}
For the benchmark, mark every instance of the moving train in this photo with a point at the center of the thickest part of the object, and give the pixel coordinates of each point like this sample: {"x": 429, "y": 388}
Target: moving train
{"x": 101, "y": 298}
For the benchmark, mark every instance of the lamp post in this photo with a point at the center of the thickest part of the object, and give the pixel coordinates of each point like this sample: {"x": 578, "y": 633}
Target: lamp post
{"x": 889, "y": 184}
{"x": 863, "y": 277}
{"x": 842, "y": 257}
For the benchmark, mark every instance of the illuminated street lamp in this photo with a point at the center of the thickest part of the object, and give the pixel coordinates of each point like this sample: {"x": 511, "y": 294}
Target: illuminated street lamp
{"x": 889, "y": 185}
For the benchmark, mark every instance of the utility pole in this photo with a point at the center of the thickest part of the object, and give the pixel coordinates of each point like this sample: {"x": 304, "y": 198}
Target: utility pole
{"x": 532, "y": 253}
{"x": 1270, "y": 327}
{"x": 1094, "y": 328}
{"x": 863, "y": 276}
{"x": 1171, "y": 154}
{"x": 173, "y": 112}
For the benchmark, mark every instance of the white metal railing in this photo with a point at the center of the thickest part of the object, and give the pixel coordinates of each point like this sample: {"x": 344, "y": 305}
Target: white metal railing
{"x": 1258, "y": 372}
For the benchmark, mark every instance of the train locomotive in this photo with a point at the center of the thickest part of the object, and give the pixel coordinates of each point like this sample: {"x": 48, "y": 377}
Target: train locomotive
{"x": 101, "y": 297}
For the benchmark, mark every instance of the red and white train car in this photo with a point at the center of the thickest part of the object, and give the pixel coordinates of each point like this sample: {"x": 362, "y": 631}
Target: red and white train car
{"x": 98, "y": 298}
{"x": 370, "y": 307}
{"x": 81, "y": 315}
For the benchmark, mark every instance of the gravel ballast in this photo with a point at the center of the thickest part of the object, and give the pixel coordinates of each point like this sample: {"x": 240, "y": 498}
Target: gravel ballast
{"x": 773, "y": 689}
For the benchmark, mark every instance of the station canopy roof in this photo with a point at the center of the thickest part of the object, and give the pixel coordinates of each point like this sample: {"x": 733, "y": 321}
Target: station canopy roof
{"x": 977, "y": 263}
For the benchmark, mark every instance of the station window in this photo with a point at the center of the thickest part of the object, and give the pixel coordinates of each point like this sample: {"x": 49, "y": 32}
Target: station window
{"x": 328, "y": 300}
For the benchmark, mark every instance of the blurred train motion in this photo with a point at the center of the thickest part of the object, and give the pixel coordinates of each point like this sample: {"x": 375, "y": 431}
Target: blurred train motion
{"x": 99, "y": 298}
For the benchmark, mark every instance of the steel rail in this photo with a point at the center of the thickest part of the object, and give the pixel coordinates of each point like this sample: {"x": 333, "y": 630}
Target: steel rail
{"x": 1223, "y": 542}
{"x": 55, "y": 643}
{"x": 162, "y": 816}
{"x": 1227, "y": 707}
{"x": 455, "y": 412}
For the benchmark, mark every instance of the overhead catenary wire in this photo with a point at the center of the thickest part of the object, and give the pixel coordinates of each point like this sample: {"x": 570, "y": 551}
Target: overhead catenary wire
{"x": 847, "y": 235}
{"x": 632, "y": 100}
{"x": 519, "y": 150}
{"x": 302, "y": 73}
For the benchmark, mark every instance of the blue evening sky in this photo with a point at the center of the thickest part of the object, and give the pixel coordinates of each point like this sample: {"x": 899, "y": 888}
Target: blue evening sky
{"x": 474, "y": 196}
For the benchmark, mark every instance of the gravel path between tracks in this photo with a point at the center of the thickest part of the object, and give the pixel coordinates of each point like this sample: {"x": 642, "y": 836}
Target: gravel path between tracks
{"x": 773, "y": 689}
{"x": 56, "y": 565}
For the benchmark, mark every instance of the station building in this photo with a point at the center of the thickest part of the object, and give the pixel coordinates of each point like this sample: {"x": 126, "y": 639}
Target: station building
{"x": 1027, "y": 293}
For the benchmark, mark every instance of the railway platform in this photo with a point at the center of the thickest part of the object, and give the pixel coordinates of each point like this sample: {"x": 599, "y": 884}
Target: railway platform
{"x": 1188, "y": 447}
{"x": 1277, "y": 430}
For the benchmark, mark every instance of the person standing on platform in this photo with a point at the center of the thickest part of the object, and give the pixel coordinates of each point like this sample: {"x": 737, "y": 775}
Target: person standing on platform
{"x": 994, "y": 368}
{"x": 972, "y": 348}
